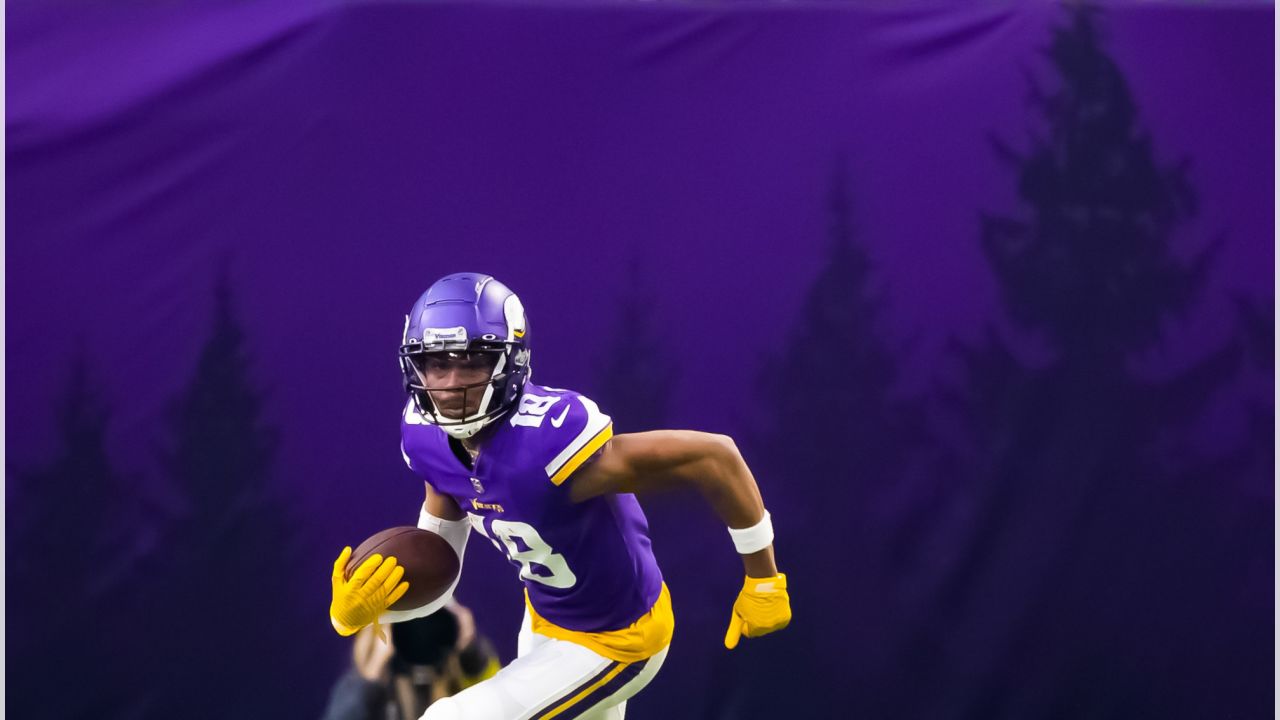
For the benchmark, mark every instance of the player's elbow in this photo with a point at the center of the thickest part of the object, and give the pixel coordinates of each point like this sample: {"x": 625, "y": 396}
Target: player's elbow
{"x": 719, "y": 465}
{"x": 708, "y": 454}
{"x": 725, "y": 448}
{"x": 727, "y": 442}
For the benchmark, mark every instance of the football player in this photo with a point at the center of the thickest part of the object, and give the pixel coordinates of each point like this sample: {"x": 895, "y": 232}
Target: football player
{"x": 538, "y": 472}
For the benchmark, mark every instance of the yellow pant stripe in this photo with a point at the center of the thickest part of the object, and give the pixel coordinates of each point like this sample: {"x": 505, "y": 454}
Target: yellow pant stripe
{"x": 585, "y": 692}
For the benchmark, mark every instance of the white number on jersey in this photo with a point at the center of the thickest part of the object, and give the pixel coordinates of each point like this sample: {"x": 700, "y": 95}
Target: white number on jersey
{"x": 538, "y": 552}
{"x": 533, "y": 410}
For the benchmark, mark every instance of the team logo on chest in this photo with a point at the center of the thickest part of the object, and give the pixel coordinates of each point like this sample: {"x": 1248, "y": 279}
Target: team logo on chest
{"x": 475, "y": 483}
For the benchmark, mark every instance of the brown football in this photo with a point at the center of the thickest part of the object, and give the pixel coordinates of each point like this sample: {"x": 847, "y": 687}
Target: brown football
{"x": 430, "y": 565}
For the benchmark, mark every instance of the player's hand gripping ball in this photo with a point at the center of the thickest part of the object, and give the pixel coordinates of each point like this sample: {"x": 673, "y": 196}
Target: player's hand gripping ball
{"x": 422, "y": 558}
{"x": 763, "y": 606}
{"x": 360, "y": 598}
{"x": 430, "y": 564}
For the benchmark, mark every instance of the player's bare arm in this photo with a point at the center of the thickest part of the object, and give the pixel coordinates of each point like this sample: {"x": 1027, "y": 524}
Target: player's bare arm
{"x": 710, "y": 463}
{"x": 442, "y": 506}
{"x": 634, "y": 463}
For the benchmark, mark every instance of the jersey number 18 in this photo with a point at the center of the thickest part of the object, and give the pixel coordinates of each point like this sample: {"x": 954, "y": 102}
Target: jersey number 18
{"x": 535, "y": 551}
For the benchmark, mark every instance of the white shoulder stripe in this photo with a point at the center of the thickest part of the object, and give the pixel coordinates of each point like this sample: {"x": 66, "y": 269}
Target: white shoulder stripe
{"x": 596, "y": 421}
{"x": 405, "y": 455}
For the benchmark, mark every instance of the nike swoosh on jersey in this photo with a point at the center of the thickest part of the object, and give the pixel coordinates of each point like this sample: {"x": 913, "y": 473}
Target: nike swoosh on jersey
{"x": 558, "y": 421}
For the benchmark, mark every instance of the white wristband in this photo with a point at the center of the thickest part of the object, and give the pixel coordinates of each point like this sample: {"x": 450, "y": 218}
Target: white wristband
{"x": 755, "y": 538}
{"x": 455, "y": 532}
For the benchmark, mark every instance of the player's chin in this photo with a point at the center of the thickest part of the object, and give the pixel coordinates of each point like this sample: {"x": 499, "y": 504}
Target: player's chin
{"x": 456, "y": 413}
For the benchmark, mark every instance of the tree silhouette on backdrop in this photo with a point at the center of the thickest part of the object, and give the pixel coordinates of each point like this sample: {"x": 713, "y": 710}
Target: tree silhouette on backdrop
{"x": 1259, "y": 322}
{"x": 829, "y": 421}
{"x": 637, "y": 376}
{"x": 826, "y": 395}
{"x": 225, "y": 614}
{"x": 1103, "y": 553}
{"x": 71, "y": 538}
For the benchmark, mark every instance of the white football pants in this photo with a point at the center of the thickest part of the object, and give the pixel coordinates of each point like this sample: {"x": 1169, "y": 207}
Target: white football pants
{"x": 551, "y": 679}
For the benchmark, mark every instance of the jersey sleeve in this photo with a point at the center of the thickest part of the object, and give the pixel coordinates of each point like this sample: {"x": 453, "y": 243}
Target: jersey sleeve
{"x": 414, "y": 436}
{"x": 594, "y": 429}
{"x": 570, "y": 429}
{"x": 407, "y": 460}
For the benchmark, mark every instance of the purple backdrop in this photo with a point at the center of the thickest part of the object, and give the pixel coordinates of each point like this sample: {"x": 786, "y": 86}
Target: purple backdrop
{"x": 805, "y": 224}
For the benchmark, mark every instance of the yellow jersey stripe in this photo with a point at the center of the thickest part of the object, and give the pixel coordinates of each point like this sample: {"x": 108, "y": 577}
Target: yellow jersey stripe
{"x": 581, "y": 456}
{"x": 596, "y": 421}
{"x": 585, "y": 692}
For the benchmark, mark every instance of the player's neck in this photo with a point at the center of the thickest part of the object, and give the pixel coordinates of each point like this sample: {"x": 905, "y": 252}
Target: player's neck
{"x": 474, "y": 443}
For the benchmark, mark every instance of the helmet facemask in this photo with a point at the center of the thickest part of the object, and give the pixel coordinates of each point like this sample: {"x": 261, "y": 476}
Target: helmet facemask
{"x": 455, "y": 408}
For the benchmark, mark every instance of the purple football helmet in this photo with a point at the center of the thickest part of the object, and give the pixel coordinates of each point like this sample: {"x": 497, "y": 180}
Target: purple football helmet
{"x": 467, "y": 313}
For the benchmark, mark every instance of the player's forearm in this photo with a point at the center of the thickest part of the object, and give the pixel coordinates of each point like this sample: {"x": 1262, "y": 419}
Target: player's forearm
{"x": 728, "y": 485}
{"x": 724, "y": 479}
{"x": 706, "y": 462}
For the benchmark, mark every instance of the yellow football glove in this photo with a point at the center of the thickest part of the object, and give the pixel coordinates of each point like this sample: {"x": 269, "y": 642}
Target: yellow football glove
{"x": 373, "y": 587}
{"x": 762, "y": 607}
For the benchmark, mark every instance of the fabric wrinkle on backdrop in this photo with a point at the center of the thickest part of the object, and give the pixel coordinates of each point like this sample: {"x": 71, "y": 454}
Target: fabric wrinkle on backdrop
{"x": 985, "y": 294}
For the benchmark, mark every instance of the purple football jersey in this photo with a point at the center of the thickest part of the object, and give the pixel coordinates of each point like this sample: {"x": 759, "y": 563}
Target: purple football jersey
{"x": 587, "y": 566}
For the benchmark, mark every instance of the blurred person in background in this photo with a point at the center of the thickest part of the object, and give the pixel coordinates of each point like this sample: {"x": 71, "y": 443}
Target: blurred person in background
{"x": 424, "y": 660}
